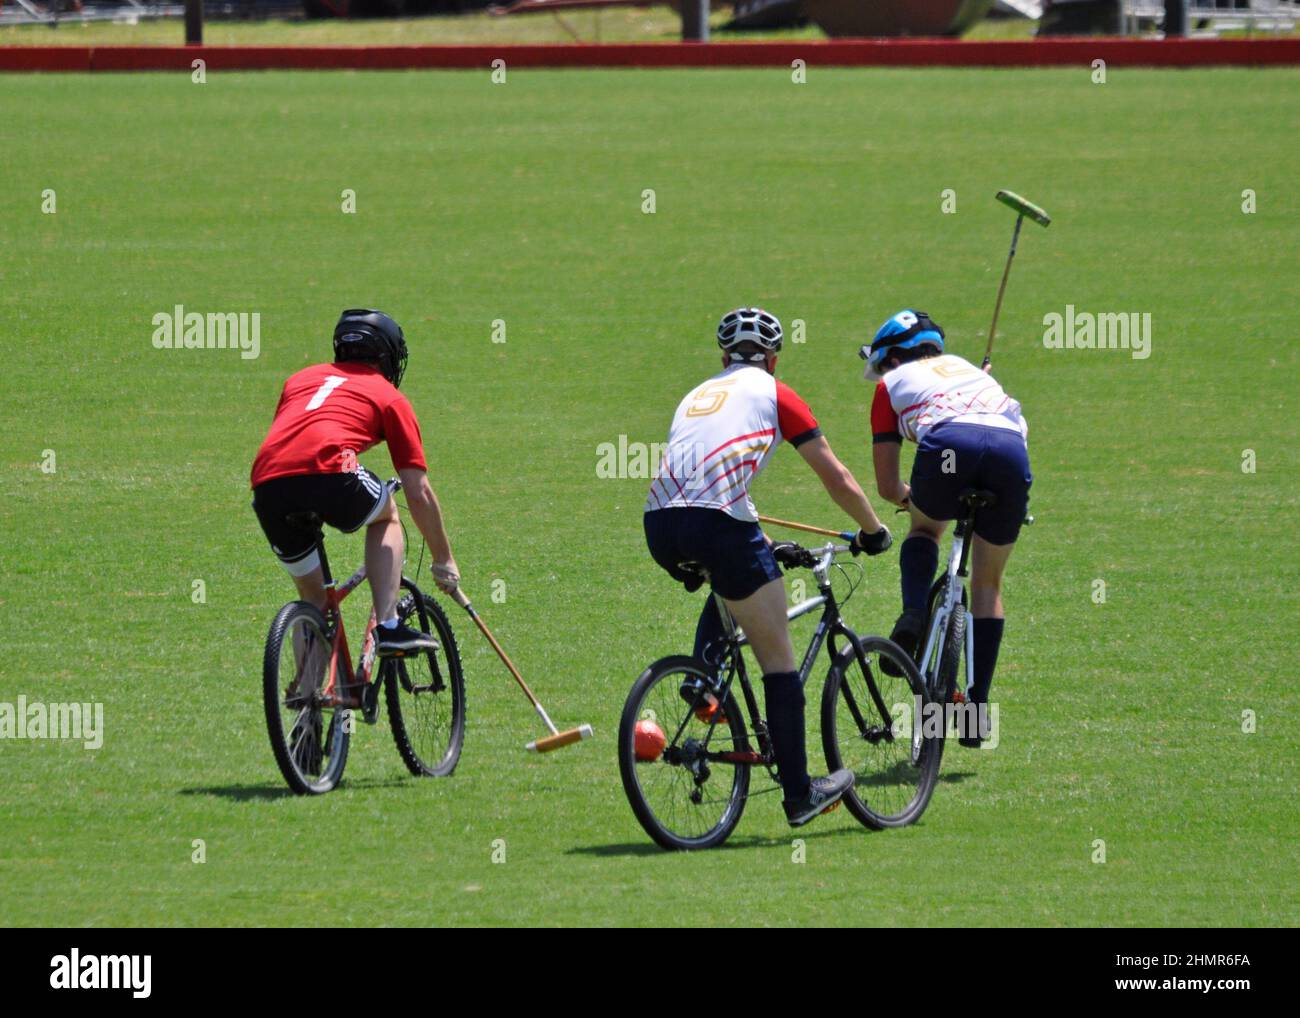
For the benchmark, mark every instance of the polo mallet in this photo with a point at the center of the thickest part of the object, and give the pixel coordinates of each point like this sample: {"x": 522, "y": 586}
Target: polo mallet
{"x": 1023, "y": 208}
{"x": 846, "y": 535}
{"x": 557, "y": 738}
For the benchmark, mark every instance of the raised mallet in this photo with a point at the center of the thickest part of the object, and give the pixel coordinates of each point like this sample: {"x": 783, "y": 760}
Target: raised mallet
{"x": 1023, "y": 208}
{"x": 557, "y": 738}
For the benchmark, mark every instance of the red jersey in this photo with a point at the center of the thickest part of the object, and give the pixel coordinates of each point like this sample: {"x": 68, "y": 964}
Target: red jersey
{"x": 329, "y": 414}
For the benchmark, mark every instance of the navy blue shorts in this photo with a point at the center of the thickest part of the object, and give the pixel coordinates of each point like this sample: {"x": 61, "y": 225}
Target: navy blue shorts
{"x": 735, "y": 554}
{"x": 994, "y": 459}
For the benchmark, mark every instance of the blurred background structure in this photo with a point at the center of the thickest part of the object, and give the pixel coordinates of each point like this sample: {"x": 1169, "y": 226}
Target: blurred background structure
{"x": 701, "y": 20}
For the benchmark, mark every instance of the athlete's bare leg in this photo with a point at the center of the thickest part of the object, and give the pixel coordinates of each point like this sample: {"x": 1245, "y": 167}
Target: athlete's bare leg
{"x": 987, "y": 564}
{"x": 384, "y": 550}
{"x": 762, "y": 617}
{"x": 923, "y": 526}
{"x": 311, "y": 587}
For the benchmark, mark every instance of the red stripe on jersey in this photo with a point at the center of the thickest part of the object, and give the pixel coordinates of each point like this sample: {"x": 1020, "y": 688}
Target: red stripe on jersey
{"x": 884, "y": 421}
{"x": 752, "y": 434}
{"x": 792, "y": 413}
{"x": 726, "y": 473}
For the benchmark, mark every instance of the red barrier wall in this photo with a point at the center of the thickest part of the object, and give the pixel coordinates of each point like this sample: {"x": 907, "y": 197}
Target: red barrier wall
{"x": 818, "y": 53}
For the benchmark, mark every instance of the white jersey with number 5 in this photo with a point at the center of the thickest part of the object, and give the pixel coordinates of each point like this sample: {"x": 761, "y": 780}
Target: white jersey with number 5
{"x": 916, "y": 396}
{"x": 723, "y": 434}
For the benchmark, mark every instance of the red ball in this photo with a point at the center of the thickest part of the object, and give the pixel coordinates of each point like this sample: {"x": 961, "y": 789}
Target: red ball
{"x": 649, "y": 741}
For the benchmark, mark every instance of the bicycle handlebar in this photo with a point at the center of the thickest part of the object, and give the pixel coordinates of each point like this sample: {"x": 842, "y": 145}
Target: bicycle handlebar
{"x": 815, "y": 558}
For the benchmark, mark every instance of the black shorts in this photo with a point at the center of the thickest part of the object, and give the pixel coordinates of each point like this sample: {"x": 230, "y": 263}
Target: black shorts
{"x": 733, "y": 552}
{"x": 346, "y": 502}
{"x": 954, "y": 456}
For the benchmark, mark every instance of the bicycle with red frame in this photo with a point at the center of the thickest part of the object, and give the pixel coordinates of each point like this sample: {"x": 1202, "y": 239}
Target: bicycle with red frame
{"x": 311, "y": 689}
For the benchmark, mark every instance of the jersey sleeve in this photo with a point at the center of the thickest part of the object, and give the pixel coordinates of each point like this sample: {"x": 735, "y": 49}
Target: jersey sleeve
{"x": 884, "y": 421}
{"x": 402, "y": 433}
{"x": 795, "y": 420}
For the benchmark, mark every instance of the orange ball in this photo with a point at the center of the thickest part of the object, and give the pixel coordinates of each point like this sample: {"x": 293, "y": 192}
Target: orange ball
{"x": 649, "y": 740}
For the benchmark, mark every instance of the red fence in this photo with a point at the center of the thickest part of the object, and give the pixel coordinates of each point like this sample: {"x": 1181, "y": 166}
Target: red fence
{"x": 816, "y": 53}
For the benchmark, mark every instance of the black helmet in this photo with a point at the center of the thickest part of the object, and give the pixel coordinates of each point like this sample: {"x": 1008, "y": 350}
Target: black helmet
{"x": 363, "y": 334}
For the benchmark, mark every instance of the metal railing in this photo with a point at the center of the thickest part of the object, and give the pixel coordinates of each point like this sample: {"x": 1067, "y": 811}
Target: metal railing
{"x": 1214, "y": 16}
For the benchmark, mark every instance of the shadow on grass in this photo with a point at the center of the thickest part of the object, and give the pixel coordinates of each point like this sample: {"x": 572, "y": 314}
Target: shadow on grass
{"x": 648, "y": 847}
{"x": 251, "y": 793}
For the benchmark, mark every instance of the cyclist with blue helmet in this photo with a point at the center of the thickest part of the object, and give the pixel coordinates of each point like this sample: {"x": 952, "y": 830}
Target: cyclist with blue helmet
{"x": 969, "y": 434}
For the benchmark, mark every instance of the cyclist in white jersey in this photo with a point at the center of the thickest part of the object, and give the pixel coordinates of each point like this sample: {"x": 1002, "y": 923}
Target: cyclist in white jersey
{"x": 700, "y": 521}
{"x": 969, "y": 434}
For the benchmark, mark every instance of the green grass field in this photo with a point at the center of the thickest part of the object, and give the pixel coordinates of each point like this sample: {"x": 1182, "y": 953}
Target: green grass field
{"x": 1120, "y": 721}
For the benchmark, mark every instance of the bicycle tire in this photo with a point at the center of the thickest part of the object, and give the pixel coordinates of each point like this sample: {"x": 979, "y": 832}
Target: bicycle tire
{"x": 870, "y": 800}
{"x": 296, "y": 751}
{"x": 662, "y": 828}
{"x": 949, "y": 665}
{"x": 430, "y": 753}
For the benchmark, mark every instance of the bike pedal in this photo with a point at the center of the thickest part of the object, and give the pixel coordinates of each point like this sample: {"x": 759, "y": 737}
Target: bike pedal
{"x": 958, "y": 697}
{"x": 831, "y": 808}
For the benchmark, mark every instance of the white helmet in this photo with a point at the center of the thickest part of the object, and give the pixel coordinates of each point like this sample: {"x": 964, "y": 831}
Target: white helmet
{"x": 749, "y": 325}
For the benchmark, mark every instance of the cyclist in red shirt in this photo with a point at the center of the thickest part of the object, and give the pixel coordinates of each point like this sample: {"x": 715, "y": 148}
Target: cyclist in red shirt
{"x": 329, "y": 414}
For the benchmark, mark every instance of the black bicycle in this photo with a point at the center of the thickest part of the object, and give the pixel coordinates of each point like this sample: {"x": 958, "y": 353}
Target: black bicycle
{"x": 686, "y": 760}
{"x": 310, "y": 689}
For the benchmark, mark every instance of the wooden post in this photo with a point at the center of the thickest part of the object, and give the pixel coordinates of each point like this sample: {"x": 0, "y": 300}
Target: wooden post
{"x": 193, "y": 22}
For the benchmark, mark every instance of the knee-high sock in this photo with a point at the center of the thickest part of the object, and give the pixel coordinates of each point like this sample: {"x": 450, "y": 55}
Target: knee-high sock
{"x": 784, "y": 697}
{"x": 988, "y": 638}
{"x": 918, "y": 558}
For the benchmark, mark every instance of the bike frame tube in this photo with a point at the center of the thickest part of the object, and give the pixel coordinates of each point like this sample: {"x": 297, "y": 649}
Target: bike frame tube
{"x": 340, "y": 655}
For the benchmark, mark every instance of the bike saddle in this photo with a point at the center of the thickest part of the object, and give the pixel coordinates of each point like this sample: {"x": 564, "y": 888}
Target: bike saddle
{"x": 977, "y": 498}
{"x": 698, "y": 576}
{"x": 309, "y": 521}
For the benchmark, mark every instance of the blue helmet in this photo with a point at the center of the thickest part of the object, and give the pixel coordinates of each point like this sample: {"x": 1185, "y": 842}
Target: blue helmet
{"x": 905, "y": 331}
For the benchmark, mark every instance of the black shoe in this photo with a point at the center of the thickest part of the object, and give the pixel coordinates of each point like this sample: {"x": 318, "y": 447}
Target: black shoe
{"x": 401, "y": 641}
{"x": 976, "y": 720}
{"x": 907, "y": 634}
{"x": 823, "y": 793}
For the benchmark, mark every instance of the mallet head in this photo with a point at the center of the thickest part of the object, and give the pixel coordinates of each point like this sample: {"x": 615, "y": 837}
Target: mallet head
{"x": 1024, "y": 207}
{"x": 560, "y": 739}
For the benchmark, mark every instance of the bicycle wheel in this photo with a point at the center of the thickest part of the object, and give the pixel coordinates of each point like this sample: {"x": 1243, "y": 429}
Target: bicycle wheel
{"x": 426, "y": 692}
{"x": 894, "y": 757}
{"x": 683, "y": 799}
{"x": 310, "y": 742}
{"x": 946, "y": 664}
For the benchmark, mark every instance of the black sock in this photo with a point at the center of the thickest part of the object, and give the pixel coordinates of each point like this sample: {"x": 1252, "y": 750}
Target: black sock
{"x": 988, "y": 638}
{"x": 709, "y": 629}
{"x": 784, "y": 696}
{"x": 918, "y": 558}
